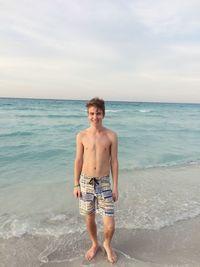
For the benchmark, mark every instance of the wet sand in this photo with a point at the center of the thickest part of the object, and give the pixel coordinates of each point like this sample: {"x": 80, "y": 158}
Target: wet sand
{"x": 176, "y": 245}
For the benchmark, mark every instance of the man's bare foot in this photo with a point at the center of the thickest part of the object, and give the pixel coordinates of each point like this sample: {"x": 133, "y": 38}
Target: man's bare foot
{"x": 111, "y": 255}
{"x": 89, "y": 255}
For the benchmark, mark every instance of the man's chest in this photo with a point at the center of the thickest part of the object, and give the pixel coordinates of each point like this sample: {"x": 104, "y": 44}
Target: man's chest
{"x": 96, "y": 143}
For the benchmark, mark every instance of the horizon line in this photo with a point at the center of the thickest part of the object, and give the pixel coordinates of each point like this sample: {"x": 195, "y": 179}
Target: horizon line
{"x": 126, "y": 101}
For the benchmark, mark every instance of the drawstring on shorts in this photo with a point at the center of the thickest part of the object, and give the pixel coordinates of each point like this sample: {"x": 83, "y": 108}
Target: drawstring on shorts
{"x": 93, "y": 181}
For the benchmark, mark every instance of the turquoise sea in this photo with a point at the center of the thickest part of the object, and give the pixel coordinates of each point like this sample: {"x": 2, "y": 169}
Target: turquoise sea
{"x": 158, "y": 147}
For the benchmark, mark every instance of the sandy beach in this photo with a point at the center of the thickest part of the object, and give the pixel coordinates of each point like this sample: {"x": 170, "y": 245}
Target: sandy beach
{"x": 176, "y": 245}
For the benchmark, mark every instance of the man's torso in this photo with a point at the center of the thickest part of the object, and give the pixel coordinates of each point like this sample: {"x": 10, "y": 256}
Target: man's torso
{"x": 97, "y": 152}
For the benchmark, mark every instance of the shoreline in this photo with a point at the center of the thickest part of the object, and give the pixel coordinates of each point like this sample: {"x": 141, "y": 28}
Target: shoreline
{"x": 175, "y": 245}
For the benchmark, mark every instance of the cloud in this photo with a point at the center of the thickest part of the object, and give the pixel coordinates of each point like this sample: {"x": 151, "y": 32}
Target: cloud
{"x": 140, "y": 48}
{"x": 168, "y": 17}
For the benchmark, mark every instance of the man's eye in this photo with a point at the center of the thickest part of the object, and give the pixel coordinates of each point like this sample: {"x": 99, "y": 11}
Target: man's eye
{"x": 92, "y": 113}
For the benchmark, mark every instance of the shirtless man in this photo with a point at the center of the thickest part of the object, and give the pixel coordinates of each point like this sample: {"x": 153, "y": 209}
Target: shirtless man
{"x": 96, "y": 156}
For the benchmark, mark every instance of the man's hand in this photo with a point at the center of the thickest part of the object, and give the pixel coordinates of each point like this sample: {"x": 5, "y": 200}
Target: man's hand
{"x": 115, "y": 194}
{"x": 77, "y": 192}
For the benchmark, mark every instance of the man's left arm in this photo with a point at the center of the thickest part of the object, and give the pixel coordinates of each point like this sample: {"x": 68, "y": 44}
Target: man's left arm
{"x": 114, "y": 165}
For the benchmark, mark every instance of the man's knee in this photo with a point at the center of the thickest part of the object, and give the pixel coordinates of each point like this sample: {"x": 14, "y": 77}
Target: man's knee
{"x": 90, "y": 218}
{"x": 109, "y": 224}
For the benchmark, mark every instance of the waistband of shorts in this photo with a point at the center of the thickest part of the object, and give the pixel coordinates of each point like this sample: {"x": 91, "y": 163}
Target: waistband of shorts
{"x": 96, "y": 177}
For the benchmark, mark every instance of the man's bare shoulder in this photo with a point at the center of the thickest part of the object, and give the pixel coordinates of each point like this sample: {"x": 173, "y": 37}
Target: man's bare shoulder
{"x": 82, "y": 134}
{"x": 111, "y": 134}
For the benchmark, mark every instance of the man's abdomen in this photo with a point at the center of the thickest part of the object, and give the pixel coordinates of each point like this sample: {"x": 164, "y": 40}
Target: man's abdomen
{"x": 96, "y": 170}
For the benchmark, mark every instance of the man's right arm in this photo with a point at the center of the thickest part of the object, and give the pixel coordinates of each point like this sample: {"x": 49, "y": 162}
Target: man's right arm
{"x": 78, "y": 164}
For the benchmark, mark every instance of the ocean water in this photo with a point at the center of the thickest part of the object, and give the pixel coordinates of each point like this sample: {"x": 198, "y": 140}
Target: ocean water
{"x": 159, "y": 159}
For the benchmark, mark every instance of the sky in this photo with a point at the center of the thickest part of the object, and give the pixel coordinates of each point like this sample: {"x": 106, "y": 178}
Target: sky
{"x": 139, "y": 50}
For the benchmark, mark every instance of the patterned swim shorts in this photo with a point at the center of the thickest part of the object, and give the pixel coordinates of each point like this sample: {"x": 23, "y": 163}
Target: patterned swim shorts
{"x": 96, "y": 196}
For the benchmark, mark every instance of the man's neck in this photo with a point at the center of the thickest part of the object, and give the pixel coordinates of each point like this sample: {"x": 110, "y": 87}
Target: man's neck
{"x": 96, "y": 129}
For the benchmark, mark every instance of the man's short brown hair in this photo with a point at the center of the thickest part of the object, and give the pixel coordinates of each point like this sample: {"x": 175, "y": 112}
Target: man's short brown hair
{"x": 96, "y": 102}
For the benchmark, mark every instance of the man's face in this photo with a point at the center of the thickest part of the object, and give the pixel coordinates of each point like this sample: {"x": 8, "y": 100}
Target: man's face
{"x": 95, "y": 116}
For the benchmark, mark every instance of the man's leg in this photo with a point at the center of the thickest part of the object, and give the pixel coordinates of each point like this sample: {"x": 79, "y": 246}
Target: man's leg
{"x": 92, "y": 230}
{"x": 109, "y": 229}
